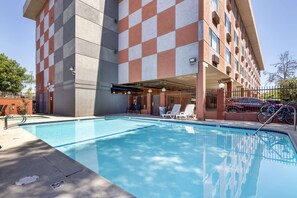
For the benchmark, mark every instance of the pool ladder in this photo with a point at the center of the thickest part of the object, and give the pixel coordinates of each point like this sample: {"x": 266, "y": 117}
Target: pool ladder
{"x": 24, "y": 119}
{"x": 267, "y": 121}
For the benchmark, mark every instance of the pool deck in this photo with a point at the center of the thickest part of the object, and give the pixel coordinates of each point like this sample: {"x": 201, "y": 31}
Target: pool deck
{"x": 23, "y": 154}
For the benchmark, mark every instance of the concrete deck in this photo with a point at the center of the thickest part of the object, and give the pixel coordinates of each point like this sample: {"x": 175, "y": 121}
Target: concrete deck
{"x": 23, "y": 154}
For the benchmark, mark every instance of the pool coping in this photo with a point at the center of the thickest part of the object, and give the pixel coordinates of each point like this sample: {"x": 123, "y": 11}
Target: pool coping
{"x": 76, "y": 167}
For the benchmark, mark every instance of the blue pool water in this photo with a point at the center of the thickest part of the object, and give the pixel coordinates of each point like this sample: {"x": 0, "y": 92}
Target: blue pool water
{"x": 164, "y": 159}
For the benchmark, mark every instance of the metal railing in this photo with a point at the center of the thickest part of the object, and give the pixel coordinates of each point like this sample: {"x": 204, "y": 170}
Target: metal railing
{"x": 24, "y": 119}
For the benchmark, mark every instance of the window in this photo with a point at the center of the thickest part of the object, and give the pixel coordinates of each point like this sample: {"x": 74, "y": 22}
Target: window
{"x": 228, "y": 55}
{"x": 241, "y": 70}
{"x": 242, "y": 49}
{"x": 236, "y": 64}
{"x": 214, "y": 41}
{"x": 215, "y": 5}
{"x": 227, "y": 23}
{"x": 235, "y": 12}
{"x": 235, "y": 39}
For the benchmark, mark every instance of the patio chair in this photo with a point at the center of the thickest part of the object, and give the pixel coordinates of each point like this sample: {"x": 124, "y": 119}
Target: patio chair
{"x": 2, "y": 112}
{"x": 188, "y": 113}
{"x": 175, "y": 110}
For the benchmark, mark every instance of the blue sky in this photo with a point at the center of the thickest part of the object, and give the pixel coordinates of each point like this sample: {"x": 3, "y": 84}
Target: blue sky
{"x": 275, "y": 20}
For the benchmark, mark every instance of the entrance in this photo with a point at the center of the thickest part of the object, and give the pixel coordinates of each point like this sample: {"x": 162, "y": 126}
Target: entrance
{"x": 155, "y": 105}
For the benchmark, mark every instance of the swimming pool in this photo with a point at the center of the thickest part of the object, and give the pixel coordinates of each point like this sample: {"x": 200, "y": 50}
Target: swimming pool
{"x": 167, "y": 159}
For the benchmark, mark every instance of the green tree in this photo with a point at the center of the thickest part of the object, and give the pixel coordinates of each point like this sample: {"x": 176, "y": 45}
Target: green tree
{"x": 285, "y": 69}
{"x": 288, "y": 89}
{"x": 12, "y": 75}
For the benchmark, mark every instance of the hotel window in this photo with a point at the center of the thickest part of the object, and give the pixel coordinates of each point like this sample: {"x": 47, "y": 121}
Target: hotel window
{"x": 235, "y": 12}
{"x": 228, "y": 55}
{"x": 215, "y": 5}
{"x": 236, "y": 64}
{"x": 241, "y": 70}
{"x": 227, "y": 23}
{"x": 242, "y": 49}
{"x": 214, "y": 41}
{"x": 235, "y": 39}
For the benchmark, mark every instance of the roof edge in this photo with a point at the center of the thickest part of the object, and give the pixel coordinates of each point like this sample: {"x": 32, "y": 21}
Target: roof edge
{"x": 247, "y": 16}
{"x": 32, "y": 8}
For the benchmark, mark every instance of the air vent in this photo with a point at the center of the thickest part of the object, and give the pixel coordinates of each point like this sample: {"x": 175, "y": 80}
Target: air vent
{"x": 237, "y": 24}
{"x": 236, "y": 50}
{"x": 228, "y": 5}
{"x": 228, "y": 37}
{"x": 215, "y": 60}
{"x": 228, "y": 70}
{"x": 215, "y": 18}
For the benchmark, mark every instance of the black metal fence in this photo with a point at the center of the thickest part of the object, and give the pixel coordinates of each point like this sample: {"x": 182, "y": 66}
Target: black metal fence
{"x": 251, "y": 100}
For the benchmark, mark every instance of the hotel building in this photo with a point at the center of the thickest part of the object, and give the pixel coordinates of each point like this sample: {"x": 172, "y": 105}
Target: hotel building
{"x": 94, "y": 57}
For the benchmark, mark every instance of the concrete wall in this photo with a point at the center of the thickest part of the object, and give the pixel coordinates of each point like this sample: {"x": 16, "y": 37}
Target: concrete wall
{"x": 96, "y": 62}
{"x": 157, "y": 38}
{"x": 64, "y": 93}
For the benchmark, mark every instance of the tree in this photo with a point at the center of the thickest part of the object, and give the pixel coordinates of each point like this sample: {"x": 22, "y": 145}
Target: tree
{"x": 12, "y": 75}
{"x": 288, "y": 89}
{"x": 285, "y": 69}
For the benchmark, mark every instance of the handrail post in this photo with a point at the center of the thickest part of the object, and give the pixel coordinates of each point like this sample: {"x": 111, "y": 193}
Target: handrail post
{"x": 6, "y": 122}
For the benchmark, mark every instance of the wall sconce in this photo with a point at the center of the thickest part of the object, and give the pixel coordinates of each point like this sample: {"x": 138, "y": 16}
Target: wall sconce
{"x": 149, "y": 91}
{"x": 48, "y": 85}
{"x": 163, "y": 89}
{"x": 221, "y": 85}
{"x": 129, "y": 92}
{"x": 72, "y": 70}
{"x": 192, "y": 61}
{"x": 12, "y": 106}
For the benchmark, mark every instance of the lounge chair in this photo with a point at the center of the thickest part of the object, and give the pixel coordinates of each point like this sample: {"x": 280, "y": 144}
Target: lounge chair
{"x": 175, "y": 110}
{"x": 2, "y": 111}
{"x": 189, "y": 112}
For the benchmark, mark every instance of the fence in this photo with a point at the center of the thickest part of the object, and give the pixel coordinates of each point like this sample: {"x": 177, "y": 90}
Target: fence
{"x": 247, "y": 102}
{"x": 17, "y": 95}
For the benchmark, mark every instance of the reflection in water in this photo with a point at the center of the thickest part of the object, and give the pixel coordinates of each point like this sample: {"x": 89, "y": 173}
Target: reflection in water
{"x": 179, "y": 160}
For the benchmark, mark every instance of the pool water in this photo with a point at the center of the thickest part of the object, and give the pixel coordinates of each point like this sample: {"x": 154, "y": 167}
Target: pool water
{"x": 164, "y": 159}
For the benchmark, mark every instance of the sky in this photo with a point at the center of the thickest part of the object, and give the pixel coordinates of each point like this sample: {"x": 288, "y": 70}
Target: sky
{"x": 275, "y": 21}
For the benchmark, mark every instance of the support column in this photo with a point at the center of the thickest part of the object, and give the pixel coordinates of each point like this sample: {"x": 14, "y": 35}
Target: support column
{"x": 162, "y": 99}
{"x": 242, "y": 92}
{"x": 229, "y": 89}
{"x": 200, "y": 92}
{"x": 220, "y": 104}
{"x": 130, "y": 100}
{"x": 149, "y": 103}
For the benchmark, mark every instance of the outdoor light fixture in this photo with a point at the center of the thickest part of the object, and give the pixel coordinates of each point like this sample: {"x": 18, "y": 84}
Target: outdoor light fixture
{"x": 221, "y": 85}
{"x": 163, "y": 89}
{"x": 72, "y": 70}
{"x": 129, "y": 92}
{"x": 48, "y": 85}
{"x": 150, "y": 91}
{"x": 192, "y": 61}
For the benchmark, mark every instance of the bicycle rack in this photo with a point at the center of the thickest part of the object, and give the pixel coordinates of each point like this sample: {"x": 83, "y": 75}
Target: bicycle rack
{"x": 274, "y": 116}
{"x": 24, "y": 119}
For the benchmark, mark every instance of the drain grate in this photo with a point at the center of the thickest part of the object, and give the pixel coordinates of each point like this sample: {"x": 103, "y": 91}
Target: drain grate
{"x": 57, "y": 184}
